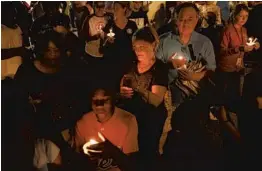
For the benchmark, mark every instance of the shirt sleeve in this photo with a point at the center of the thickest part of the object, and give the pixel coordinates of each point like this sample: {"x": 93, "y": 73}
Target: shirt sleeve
{"x": 210, "y": 56}
{"x": 161, "y": 75}
{"x": 130, "y": 144}
{"x": 79, "y": 134}
{"x": 160, "y": 52}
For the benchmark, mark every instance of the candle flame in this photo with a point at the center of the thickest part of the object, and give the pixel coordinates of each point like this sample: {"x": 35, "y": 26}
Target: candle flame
{"x": 111, "y": 33}
{"x": 92, "y": 142}
{"x": 251, "y": 41}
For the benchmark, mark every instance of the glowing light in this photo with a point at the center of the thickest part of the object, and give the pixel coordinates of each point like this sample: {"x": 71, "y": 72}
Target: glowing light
{"x": 251, "y": 41}
{"x": 111, "y": 33}
{"x": 91, "y": 142}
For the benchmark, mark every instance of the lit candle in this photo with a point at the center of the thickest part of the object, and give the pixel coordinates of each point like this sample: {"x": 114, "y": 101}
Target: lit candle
{"x": 251, "y": 42}
{"x": 92, "y": 142}
{"x": 111, "y": 33}
{"x": 179, "y": 57}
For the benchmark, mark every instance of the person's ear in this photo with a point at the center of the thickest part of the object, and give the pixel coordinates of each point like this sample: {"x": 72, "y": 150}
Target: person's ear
{"x": 155, "y": 46}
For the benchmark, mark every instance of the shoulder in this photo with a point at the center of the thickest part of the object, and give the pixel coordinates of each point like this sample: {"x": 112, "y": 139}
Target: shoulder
{"x": 200, "y": 37}
{"x": 86, "y": 118}
{"x": 228, "y": 29}
{"x": 165, "y": 36}
{"x": 125, "y": 117}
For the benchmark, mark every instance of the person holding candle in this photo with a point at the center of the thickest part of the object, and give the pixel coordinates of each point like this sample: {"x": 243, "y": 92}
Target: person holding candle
{"x": 118, "y": 52}
{"x": 185, "y": 42}
{"x": 92, "y": 32}
{"x": 230, "y": 63}
{"x": 142, "y": 90}
{"x": 114, "y": 129}
{"x": 230, "y": 69}
{"x": 234, "y": 41}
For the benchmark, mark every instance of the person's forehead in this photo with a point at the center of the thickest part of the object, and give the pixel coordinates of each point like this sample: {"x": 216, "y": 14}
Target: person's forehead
{"x": 100, "y": 94}
{"x": 243, "y": 12}
{"x": 140, "y": 42}
{"x": 188, "y": 11}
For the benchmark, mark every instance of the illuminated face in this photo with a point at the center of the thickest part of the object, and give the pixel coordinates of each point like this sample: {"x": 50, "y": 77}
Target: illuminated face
{"x": 144, "y": 50}
{"x": 187, "y": 20}
{"x": 102, "y": 106}
{"x": 100, "y": 9}
{"x": 137, "y": 4}
{"x": 241, "y": 18}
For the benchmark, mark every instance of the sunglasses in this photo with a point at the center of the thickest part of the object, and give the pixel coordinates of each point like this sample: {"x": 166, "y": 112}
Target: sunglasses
{"x": 101, "y": 102}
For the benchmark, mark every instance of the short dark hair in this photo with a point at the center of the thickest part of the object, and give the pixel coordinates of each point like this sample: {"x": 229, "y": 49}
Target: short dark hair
{"x": 144, "y": 34}
{"x": 186, "y": 5}
{"x": 41, "y": 44}
{"x": 239, "y": 8}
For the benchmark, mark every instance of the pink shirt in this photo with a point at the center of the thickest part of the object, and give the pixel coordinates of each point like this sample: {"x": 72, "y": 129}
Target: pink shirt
{"x": 231, "y": 40}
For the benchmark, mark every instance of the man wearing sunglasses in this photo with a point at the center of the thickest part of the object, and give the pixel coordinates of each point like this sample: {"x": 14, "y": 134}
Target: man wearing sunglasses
{"x": 118, "y": 128}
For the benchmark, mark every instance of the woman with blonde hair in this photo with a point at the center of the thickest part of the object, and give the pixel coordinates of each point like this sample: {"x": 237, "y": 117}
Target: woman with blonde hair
{"x": 143, "y": 89}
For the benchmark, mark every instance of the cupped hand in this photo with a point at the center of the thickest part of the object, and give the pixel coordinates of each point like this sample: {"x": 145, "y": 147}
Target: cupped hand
{"x": 126, "y": 92}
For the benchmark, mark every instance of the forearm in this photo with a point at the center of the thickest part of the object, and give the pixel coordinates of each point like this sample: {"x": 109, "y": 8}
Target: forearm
{"x": 230, "y": 51}
{"x": 150, "y": 97}
{"x": 227, "y": 124}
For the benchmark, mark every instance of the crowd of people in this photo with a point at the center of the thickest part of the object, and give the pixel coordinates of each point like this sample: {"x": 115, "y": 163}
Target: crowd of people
{"x": 99, "y": 86}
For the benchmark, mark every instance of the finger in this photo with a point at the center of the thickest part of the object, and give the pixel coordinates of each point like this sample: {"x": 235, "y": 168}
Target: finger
{"x": 127, "y": 88}
{"x": 94, "y": 151}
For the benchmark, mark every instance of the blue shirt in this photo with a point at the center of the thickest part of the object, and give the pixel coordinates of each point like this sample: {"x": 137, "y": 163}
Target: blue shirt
{"x": 202, "y": 48}
{"x": 170, "y": 44}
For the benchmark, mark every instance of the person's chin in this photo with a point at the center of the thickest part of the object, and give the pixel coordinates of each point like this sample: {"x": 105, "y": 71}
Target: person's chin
{"x": 101, "y": 116}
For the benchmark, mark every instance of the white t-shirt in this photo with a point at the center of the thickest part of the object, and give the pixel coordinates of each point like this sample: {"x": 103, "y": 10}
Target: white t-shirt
{"x": 45, "y": 152}
{"x": 10, "y": 38}
{"x": 95, "y": 24}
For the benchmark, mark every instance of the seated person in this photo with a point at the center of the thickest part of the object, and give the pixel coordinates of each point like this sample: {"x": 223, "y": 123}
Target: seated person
{"x": 142, "y": 90}
{"x": 118, "y": 128}
{"x": 46, "y": 152}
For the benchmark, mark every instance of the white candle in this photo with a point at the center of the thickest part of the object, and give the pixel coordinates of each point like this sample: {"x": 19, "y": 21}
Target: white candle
{"x": 251, "y": 41}
{"x": 111, "y": 33}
